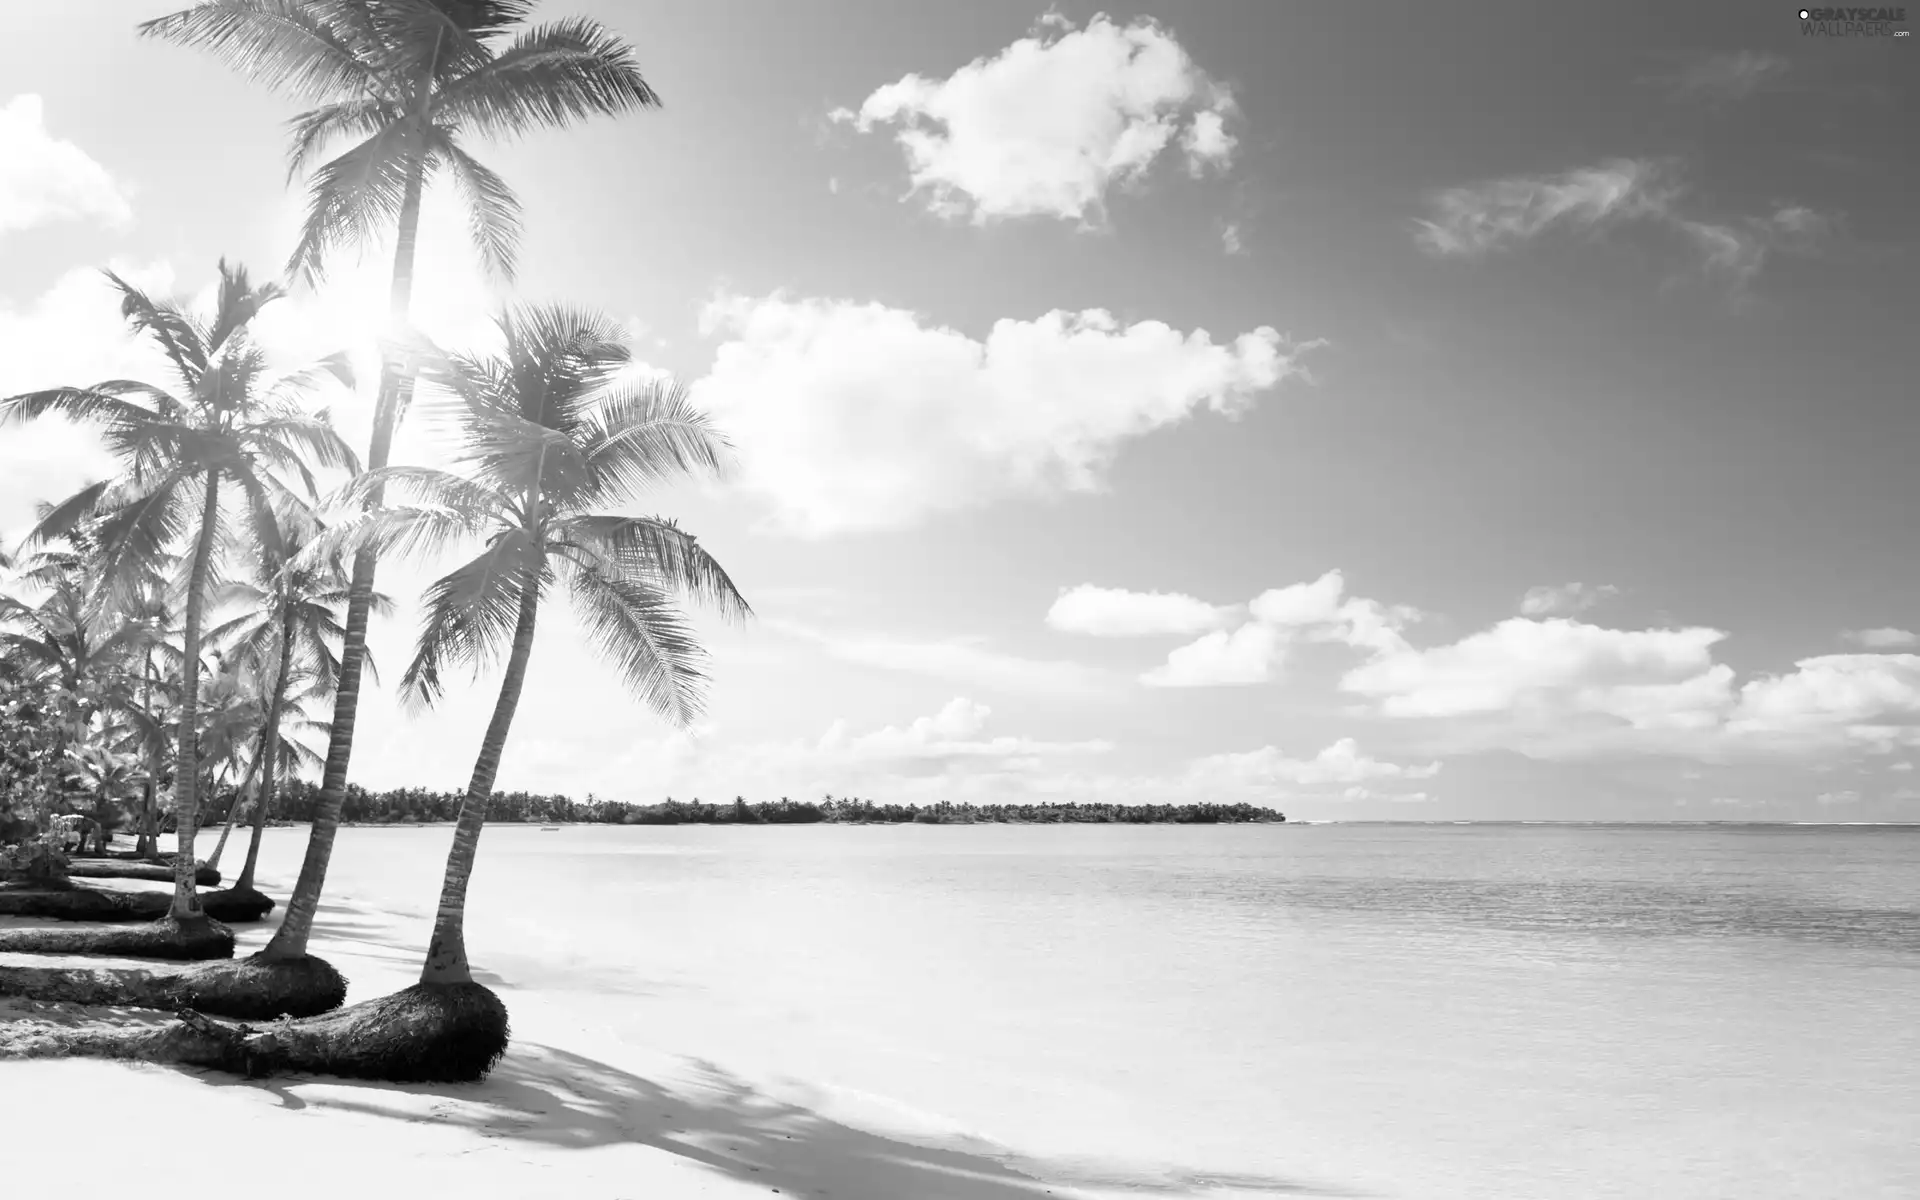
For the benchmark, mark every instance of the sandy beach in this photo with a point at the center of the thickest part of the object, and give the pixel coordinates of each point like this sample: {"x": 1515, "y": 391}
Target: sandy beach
{"x": 704, "y": 1107}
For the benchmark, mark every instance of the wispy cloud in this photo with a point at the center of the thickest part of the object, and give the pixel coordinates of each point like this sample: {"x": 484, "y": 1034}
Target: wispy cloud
{"x": 1500, "y": 214}
{"x": 1565, "y": 599}
{"x": 1884, "y": 638}
{"x": 1724, "y": 79}
{"x": 959, "y": 660}
{"x": 1482, "y": 217}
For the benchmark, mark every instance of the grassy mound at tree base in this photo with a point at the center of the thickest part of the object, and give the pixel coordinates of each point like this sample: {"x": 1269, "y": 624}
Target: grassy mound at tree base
{"x": 191, "y": 941}
{"x": 108, "y": 868}
{"x": 247, "y": 989}
{"x": 233, "y": 905}
{"x": 97, "y": 904}
{"x": 83, "y": 904}
{"x": 428, "y": 1033}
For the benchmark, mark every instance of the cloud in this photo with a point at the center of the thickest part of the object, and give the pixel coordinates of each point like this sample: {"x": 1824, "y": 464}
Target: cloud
{"x": 1246, "y": 655}
{"x": 1340, "y": 763}
{"x": 1049, "y": 125}
{"x": 1555, "y": 668}
{"x": 70, "y": 334}
{"x": 1727, "y": 78}
{"x": 951, "y": 734}
{"x": 1827, "y": 799}
{"x": 1554, "y": 686}
{"x": 1230, "y": 240}
{"x": 1497, "y": 214}
{"x": 1319, "y": 611}
{"x": 1559, "y": 687}
{"x": 1884, "y": 638}
{"x": 44, "y": 178}
{"x": 965, "y": 661}
{"x": 1500, "y": 214}
{"x": 1835, "y": 699}
{"x": 1116, "y": 612}
{"x": 854, "y": 417}
{"x": 1566, "y": 599}
{"x": 1737, "y": 250}
{"x": 949, "y": 755}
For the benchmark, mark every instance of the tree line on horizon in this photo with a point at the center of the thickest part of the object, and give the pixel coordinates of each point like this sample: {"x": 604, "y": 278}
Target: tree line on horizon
{"x": 300, "y": 800}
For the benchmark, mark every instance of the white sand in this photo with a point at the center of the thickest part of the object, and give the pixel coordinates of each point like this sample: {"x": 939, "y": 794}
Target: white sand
{"x": 573, "y": 1111}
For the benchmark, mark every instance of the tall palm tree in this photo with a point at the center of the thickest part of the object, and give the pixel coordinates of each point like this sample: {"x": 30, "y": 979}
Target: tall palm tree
{"x": 405, "y": 80}
{"x": 550, "y": 436}
{"x": 230, "y": 422}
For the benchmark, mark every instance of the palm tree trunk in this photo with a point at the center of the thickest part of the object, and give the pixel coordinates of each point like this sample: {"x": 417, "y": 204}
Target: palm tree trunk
{"x": 145, "y": 845}
{"x": 233, "y": 809}
{"x": 447, "y": 951}
{"x": 270, "y": 752}
{"x": 396, "y": 390}
{"x": 186, "y": 899}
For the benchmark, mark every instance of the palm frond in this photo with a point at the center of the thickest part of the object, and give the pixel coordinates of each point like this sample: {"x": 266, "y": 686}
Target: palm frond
{"x": 163, "y": 320}
{"x": 400, "y": 532}
{"x": 471, "y": 613}
{"x": 550, "y": 75}
{"x": 659, "y": 553}
{"x": 644, "y": 433}
{"x": 357, "y": 117}
{"x": 58, "y": 520}
{"x": 493, "y": 211}
{"x": 237, "y": 303}
{"x": 355, "y": 196}
{"x": 91, "y": 405}
{"x": 637, "y": 629}
{"x": 299, "y": 47}
{"x": 294, "y": 433}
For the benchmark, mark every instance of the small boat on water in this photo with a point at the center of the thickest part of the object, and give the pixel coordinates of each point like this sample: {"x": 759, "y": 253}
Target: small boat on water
{"x": 549, "y": 829}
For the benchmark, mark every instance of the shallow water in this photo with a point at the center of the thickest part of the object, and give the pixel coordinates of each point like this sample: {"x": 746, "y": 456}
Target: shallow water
{"x": 1408, "y": 1011}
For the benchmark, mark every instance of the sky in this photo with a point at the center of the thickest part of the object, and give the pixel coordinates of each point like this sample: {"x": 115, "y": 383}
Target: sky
{"x": 1386, "y": 411}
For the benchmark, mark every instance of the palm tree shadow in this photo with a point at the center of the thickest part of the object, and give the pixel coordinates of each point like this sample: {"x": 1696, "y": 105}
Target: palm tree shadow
{"x": 550, "y": 1097}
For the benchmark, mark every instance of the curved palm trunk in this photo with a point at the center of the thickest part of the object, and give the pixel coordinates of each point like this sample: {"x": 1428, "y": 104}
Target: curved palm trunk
{"x": 233, "y": 809}
{"x": 269, "y": 753}
{"x": 396, "y": 390}
{"x": 186, "y": 900}
{"x": 447, "y": 951}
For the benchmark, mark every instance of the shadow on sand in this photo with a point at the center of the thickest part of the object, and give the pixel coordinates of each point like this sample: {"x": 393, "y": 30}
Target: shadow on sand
{"x": 550, "y": 1097}
{"x": 540, "y": 1095}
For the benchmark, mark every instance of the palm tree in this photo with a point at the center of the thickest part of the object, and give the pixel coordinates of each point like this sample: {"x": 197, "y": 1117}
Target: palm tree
{"x": 550, "y": 436}
{"x": 407, "y": 79}
{"x": 288, "y": 625}
{"x": 233, "y": 707}
{"x": 230, "y": 422}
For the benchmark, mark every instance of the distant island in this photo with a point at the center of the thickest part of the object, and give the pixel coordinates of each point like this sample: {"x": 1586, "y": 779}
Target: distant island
{"x": 403, "y": 806}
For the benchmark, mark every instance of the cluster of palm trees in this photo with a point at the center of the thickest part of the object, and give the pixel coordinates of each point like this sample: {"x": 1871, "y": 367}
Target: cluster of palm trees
{"x": 230, "y": 564}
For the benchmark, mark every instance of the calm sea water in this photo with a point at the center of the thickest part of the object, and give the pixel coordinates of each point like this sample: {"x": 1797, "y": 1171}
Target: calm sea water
{"x": 1410, "y": 1011}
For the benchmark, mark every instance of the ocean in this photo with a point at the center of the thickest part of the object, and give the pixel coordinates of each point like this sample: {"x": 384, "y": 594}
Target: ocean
{"x": 1547, "y": 1012}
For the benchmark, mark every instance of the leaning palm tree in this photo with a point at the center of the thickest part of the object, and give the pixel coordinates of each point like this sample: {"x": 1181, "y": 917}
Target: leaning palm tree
{"x": 228, "y": 422}
{"x": 549, "y": 437}
{"x": 405, "y": 81}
